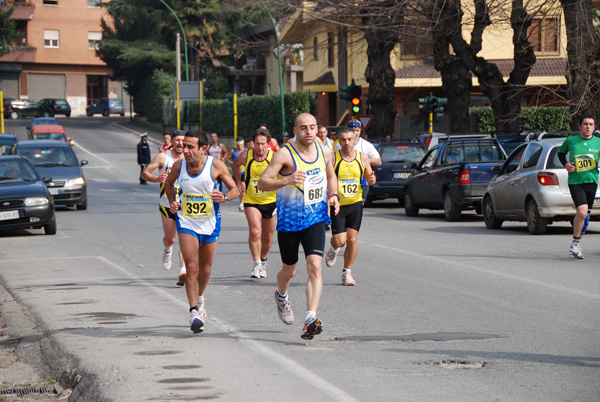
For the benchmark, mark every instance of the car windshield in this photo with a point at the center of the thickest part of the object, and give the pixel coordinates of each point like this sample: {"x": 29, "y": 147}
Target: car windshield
{"x": 16, "y": 170}
{"x": 49, "y": 136}
{"x": 49, "y": 156}
{"x": 401, "y": 153}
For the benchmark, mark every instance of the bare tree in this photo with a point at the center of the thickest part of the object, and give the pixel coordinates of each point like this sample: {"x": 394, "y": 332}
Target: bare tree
{"x": 583, "y": 65}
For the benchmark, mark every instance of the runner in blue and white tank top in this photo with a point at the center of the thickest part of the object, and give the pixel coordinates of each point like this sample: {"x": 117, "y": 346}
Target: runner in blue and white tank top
{"x": 200, "y": 177}
{"x": 303, "y": 176}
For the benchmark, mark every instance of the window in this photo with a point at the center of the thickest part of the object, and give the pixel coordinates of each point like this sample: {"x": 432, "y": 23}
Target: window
{"x": 51, "y": 39}
{"x": 93, "y": 3}
{"x": 416, "y": 40}
{"x": 94, "y": 39}
{"x": 513, "y": 162}
{"x": 51, "y": 2}
{"x": 543, "y": 35}
{"x": 532, "y": 155}
{"x": 430, "y": 160}
{"x": 315, "y": 49}
{"x": 330, "y": 50}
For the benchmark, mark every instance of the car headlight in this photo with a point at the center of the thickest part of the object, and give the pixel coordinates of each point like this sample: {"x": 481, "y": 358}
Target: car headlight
{"x": 80, "y": 181}
{"x": 36, "y": 201}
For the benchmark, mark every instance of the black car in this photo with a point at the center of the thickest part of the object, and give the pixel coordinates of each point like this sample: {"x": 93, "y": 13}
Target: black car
{"x": 57, "y": 159}
{"x": 6, "y": 143}
{"x": 16, "y": 108}
{"x": 25, "y": 202}
{"x": 398, "y": 159}
{"x": 53, "y": 107}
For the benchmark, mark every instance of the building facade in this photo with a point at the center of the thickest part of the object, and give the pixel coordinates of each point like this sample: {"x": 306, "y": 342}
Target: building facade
{"x": 56, "y": 56}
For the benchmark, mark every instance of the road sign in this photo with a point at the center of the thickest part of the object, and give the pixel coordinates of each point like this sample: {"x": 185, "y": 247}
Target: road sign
{"x": 365, "y": 120}
{"x": 188, "y": 90}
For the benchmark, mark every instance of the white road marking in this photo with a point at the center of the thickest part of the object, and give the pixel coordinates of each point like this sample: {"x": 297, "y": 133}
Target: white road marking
{"x": 491, "y": 272}
{"x": 286, "y": 363}
{"x": 91, "y": 153}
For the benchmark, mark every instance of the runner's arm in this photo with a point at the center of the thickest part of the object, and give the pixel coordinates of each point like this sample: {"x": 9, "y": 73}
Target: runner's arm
{"x": 281, "y": 160}
{"x": 222, "y": 174}
{"x": 332, "y": 183}
{"x": 156, "y": 163}
{"x": 170, "y": 186}
{"x": 369, "y": 172}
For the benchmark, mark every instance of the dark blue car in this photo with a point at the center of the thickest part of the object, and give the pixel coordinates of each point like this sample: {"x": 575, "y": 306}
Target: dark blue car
{"x": 398, "y": 159}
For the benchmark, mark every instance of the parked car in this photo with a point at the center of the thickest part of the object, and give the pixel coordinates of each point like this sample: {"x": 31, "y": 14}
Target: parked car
{"x": 57, "y": 159}
{"x": 398, "y": 159}
{"x": 40, "y": 120}
{"x": 106, "y": 107}
{"x": 52, "y": 107}
{"x": 531, "y": 186}
{"x": 50, "y": 132}
{"x": 6, "y": 143}
{"x": 511, "y": 142}
{"x": 16, "y": 108}
{"x": 453, "y": 176}
{"x": 25, "y": 202}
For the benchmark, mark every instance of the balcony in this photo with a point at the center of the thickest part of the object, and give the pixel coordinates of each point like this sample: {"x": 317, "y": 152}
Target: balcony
{"x": 20, "y": 54}
{"x": 23, "y": 10}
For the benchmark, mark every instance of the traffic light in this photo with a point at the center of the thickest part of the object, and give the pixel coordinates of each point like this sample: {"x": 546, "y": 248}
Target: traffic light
{"x": 229, "y": 97}
{"x": 424, "y": 104}
{"x": 356, "y": 92}
{"x": 438, "y": 108}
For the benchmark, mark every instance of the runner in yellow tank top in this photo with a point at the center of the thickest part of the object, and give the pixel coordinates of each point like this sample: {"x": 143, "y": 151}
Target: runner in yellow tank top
{"x": 349, "y": 167}
{"x": 259, "y": 206}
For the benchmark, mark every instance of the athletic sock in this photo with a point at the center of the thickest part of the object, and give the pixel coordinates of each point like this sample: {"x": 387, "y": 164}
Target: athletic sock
{"x": 282, "y": 297}
{"x": 263, "y": 260}
{"x": 335, "y": 250}
{"x": 310, "y": 315}
{"x": 200, "y": 299}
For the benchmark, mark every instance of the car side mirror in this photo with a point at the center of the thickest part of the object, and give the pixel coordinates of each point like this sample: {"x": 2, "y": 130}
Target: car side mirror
{"x": 47, "y": 180}
{"x": 496, "y": 169}
{"x": 84, "y": 162}
{"x": 511, "y": 168}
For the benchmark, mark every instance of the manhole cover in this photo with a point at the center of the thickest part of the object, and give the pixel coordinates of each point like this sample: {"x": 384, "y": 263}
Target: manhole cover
{"x": 458, "y": 364}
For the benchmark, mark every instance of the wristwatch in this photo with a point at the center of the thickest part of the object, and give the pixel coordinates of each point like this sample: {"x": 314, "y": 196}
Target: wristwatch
{"x": 226, "y": 199}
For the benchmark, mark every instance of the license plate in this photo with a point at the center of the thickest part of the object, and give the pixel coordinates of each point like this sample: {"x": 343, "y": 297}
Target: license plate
{"x": 7, "y": 215}
{"x": 54, "y": 191}
{"x": 401, "y": 175}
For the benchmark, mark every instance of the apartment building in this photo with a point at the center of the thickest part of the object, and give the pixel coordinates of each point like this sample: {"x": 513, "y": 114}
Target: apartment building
{"x": 56, "y": 56}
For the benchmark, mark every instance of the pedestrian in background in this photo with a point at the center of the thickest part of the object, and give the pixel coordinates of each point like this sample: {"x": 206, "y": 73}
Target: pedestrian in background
{"x": 167, "y": 142}
{"x": 143, "y": 155}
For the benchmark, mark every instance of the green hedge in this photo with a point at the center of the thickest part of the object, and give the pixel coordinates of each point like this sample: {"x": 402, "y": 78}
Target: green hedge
{"x": 252, "y": 110}
{"x": 149, "y": 99}
{"x": 539, "y": 118}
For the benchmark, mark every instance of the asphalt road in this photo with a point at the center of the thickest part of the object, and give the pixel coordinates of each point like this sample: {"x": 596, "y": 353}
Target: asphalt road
{"x": 441, "y": 311}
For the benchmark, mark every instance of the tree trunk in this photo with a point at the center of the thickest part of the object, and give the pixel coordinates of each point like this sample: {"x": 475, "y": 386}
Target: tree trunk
{"x": 456, "y": 77}
{"x": 381, "y": 39}
{"x": 505, "y": 97}
{"x": 583, "y": 64}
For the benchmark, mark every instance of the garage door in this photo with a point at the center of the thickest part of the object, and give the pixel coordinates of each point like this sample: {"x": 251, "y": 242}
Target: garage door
{"x": 42, "y": 86}
{"x": 10, "y": 85}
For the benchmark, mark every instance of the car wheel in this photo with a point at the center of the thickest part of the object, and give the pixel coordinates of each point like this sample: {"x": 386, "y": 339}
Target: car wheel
{"x": 410, "y": 208}
{"x": 68, "y": 114}
{"x": 50, "y": 229}
{"x": 83, "y": 205}
{"x": 88, "y": 113}
{"x": 535, "y": 223}
{"x": 369, "y": 201}
{"x": 122, "y": 114}
{"x": 452, "y": 210}
{"x": 489, "y": 217}
{"x": 105, "y": 113}
{"x": 401, "y": 201}
{"x": 14, "y": 115}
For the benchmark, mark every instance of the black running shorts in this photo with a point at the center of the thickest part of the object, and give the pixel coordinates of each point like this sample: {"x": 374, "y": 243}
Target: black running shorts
{"x": 312, "y": 239}
{"x": 166, "y": 212}
{"x": 266, "y": 210}
{"x": 349, "y": 216}
{"x": 583, "y": 193}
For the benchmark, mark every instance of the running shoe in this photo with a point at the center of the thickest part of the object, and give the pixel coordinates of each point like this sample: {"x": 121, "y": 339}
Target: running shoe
{"x": 284, "y": 309}
{"x": 255, "y": 270}
{"x": 312, "y": 327}
{"x": 241, "y": 208}
{"x": 575, "y": 250}
{"x": 347, "y": 279}
{"x": 330, "y": 258}
{"x": 167, "y": 258}
{"x": 182, "y": 276}
{"x": 197, "y": 318}
{"x": 263, "y": 269}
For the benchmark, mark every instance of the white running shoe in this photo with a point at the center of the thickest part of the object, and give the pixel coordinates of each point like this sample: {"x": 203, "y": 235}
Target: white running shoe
{"x": 347, "y": 279}
{"x": 241, "y": 207}
{"x": 263, "y": 269}
{"x": 167, "y": 258}
{"x": 284, "y": 309}
{"x": 255, "y": 270}
{"x": 197, "y": 318}
{"x": 330, "y": 258}
{"x": 575, "y": 250}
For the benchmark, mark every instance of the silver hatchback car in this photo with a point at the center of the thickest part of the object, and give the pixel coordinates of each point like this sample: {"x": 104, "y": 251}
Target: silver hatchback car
{"x": 531, "y": 186}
